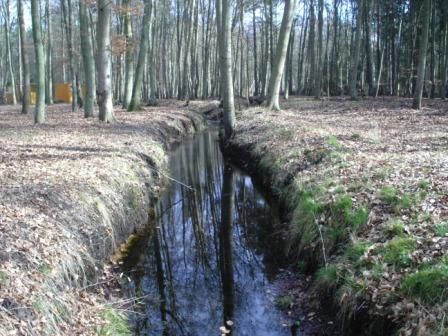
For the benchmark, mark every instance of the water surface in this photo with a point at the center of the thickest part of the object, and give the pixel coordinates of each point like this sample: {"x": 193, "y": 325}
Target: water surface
{"x": 212, "y": 254}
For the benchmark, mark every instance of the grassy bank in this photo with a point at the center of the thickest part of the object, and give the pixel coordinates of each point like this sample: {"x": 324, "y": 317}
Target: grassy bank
{"x": 71, "y": 191}
{"x": 364, "y": 187}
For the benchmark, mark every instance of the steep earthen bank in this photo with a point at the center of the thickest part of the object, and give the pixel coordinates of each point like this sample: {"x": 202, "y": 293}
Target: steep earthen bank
{"x": 71, "y": 191}
{"x": 371, "y": 229}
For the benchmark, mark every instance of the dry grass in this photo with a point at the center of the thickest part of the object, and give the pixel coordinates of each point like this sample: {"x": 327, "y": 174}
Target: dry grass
{"x": 342, "y": 156}
{"x": 71, "y": 190}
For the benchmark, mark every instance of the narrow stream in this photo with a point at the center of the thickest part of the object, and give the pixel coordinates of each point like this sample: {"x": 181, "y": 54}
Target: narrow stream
{"x": 212, "y": 256}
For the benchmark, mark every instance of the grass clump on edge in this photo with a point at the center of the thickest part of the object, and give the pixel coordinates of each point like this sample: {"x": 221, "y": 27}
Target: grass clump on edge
{"x": 285, "y": 302}
{"x": 356, "y": 250}
{"x": 430, "y": 284}
{"x": 116, "y": 324}
{"x": 389, "y": 195}
{"x": 395, "y": 227}
{"x": 441, "y": 230}
{"x": 398, "y": 251}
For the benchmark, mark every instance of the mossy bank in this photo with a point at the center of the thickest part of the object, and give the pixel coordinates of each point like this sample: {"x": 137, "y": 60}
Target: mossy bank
{"x": 362, "y": 189}
{"x": 71, "y": 191}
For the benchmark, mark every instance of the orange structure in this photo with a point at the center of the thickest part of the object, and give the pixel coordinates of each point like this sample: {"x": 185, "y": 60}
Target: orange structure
{"x": 63, "y": 92}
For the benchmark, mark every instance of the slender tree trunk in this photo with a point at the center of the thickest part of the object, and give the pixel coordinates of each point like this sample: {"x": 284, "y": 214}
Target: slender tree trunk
{"x": 24, "y": 60}
{"x": 39, "y": 115}
{"x": 356, "y": 51}
{"x": 104, "y": 61}
{"x": 223, "y": 14}
{"x": 254, "y": 27}
{"x": 425, "y": 16}
{"x": 137, "y": 88}
{"x": 49, "y": 75}
{"x": 87, "y": 58}
{"x": 129, "y": 56}
{"x": 280, "y": 56}
{"x": 318, "y": 74}
{"x": 369, "y": 53}
{"x": 9, "y": 53}
{"x": 311, "y": 49}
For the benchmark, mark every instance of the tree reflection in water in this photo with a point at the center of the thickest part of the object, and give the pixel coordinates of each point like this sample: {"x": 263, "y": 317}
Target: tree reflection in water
{"x": 212, "y": 251}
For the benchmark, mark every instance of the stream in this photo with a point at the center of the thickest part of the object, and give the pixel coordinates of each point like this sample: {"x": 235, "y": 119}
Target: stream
{"x": 212, "y": 254}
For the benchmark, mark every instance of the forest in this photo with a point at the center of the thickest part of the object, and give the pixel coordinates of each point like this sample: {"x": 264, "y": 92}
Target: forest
{"x": 201, "y": 167}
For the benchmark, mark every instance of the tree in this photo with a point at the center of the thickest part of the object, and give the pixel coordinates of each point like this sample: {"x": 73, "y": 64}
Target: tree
{"x": 417, "y": 102}
{"x": 87, "y": 58}
{"x": 39, "y": 114}
{"x": 8, "y": 50}
{"x": 67, "y": 12}
{"x": 356, "y": 51}
{"x": 49, "y": 74}
{"x": 104, "y": 61}
{"x": 280, "y": 56}
{"x": 318, "y": 77}
{"x": 24, "y": 59}
{"x": 137, "y": 88}
{"x": 129, "y": 56}
{"x": 223, "y": 15}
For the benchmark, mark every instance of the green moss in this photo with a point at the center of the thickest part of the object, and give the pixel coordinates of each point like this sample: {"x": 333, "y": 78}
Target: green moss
{"x": 285, "y": 302}
{"x": 116, "y": 324}
{"x": 429, "y": 285}
{"x": 398, "y": 251}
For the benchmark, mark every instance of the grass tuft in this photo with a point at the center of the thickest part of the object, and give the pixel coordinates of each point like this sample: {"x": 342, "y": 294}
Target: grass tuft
{"x": 429, "y": 284}
{"x": 398, "y": 251}
{"x": 116, "y": 324}
{"x": 285, "y": 302}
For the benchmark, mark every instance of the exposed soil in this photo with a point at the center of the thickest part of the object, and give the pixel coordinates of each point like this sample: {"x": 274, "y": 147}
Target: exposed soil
{"x": 71, "y": 190}
{"x": 364, "y": 184}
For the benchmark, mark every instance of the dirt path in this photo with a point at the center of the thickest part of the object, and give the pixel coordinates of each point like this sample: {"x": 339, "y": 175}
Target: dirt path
{"x": 365, "y": 187}
{"x": 71, "y": 191}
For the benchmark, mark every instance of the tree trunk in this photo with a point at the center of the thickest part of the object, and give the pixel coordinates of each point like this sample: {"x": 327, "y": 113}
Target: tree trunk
{"x": 87, "y": 58}
{"x": 9, "y": 53}
{"x": 356, "y": 51}
{"x": 129, "y": 56}
{"x": 223, "y": 14}
{"x": 318, "y": 74}
{"x": 369, "y": 53}
{"x": 417, "y": 103}
{"x": 104, "y": 61}
{"x": 137, "y": 88}
{"x": 24, "y": 60}
{"x": 49, "y": 75}
{"x": 39, "y": 115}
{"x": 254, "y": 27}
{"x": 279, "y": 63}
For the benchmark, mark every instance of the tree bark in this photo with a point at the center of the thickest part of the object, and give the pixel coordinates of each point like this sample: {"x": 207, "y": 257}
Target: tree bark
{"x": 223, "y": 14}
{"x": 137, "y": 88}
{"x": 280, "y": 56}
{"x": 49, "y": 74}
{"x": 8, "y": 51}
{"x": 24, "y": 60}
{"x": 356, "y": 51}
{"x": 318, "y": 74}
{"x": 104, "y": 62}
{"x": 417, "y": 103}
{"x": 87, "y": 58}
{"x": 39, "y": 114}
{"x": 129, "y": 56}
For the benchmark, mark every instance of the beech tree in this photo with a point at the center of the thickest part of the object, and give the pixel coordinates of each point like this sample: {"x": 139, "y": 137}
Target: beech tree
{"x": 24, "y": 59}
{"x": 280, "y": 56}
{"x": 417, "y": 102}
{"x": 104, "y": 61}
{"x": 39, "y": 114}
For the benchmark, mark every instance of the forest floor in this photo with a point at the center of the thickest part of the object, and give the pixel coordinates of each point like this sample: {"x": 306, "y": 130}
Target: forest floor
{"x": 71, "y": 190}
{"x": 365, "y": 186}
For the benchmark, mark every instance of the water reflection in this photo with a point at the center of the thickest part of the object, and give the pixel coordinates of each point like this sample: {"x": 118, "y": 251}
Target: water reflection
{"x": 211, "y": 254}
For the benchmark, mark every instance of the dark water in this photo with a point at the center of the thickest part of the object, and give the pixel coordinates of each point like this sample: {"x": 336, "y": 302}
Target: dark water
{"x": 212, "y": 255}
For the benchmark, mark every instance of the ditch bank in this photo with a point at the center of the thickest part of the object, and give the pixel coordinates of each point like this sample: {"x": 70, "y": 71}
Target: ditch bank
{"x": 365, "y": 209}
{"x": 72, "y": 190}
